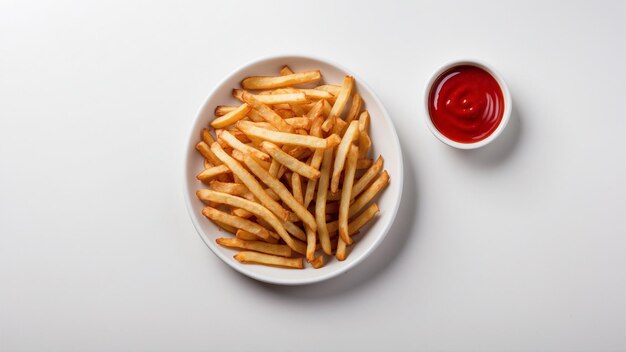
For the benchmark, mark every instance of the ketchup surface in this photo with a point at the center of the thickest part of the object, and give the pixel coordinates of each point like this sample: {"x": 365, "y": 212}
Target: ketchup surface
{"x": 466, "y": 104}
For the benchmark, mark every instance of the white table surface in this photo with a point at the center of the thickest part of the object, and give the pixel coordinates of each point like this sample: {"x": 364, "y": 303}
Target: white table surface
{"x": 518, "y": 246}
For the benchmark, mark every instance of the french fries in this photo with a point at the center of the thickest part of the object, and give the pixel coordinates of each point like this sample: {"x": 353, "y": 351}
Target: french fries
{"x": 247, "y": 257}
{"x": 268, "y": 82}
{"x": 289, "y": 147}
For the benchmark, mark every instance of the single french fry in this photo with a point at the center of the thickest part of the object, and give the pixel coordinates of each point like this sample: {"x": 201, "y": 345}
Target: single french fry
{"x": 299, "y": 122}
{"x": 340, "y": 253}
{"x": 242, "y": 213}
{"x": 311, "y": 238}
{"x": 225, "y": 227}
{"x": 296, "y": 187}
{"x": 286, "y": 70}
{"x": 355, "y": 108}
{"x": 213, "y": 172}
{"x": 288, "y": 138}
{"x": 244, "y": 148}
{"x": 236, "y": 189}
{"x": 267, "y": 114}
{"x": 290, "y": 162}
{"x": 316, "y": 161}
{"x": 367, "y": 177}
{"x": 364, "y": 121}
{"x": 381, "y": 182}
{"x": 247, "y": 257}
{"x": 250, "y": 181}
{"x": 317, "y": 94}
{"x": 231, "y": 117}
{"x": 365, "y": 143}
{"x": 320, "y": 202}
{"x": 257, "y": 246}
{"x": 206, "y": 152}
{"x": 341, "y": 101}
{"x": 317, "y": 262}
{"x": 344, "y": 205}
{"x": 282, "y": 192}
{"x": 342, "y": 152}
{"x": 331, "y": 88}
{"x": 207, "y": 137}
{"x": 285, "y": 113}
{"x": 255, "y": 116}
{"x": 272, "y": 99}
{"x": 222, "y": 110}
{"x": 246, "y": 236}
{"x": 235, "y": 221}
{"x": 269, "y": 82}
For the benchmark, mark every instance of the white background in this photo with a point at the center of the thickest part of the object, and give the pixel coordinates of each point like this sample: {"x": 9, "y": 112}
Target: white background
{"x": 517, "y": 246}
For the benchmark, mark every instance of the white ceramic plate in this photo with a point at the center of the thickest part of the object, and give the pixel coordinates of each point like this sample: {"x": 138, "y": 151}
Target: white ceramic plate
{"x": 385, "y": 143}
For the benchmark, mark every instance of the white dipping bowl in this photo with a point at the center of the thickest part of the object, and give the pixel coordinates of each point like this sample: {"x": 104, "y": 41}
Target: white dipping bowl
{"x": 385, "y": 142}
{"x": 506, "y": 114}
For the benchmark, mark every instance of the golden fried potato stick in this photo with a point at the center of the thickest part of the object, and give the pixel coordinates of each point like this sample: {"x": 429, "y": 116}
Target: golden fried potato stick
{"x": 296, "y": 187}
{"x": 257, "y": 246}
{"x": 206, "y": 152}
{"x": 287, "y": 138}
{"x": 340, "y": 102}
{"x": 317, "y": 94}
{"x": 273, "y": 99}
{"x": 255, "y": 116}
{"x": 365, "y": 143}
{"x": 295, "y": 231}
{"x": 246, "y": 236}
{"x": 315, "y": 111}
{"x": 247, "y": 257}
{"x": 271, "y": 82}
{"x": 267, "y": 113}
{"x": 290, "y": 162}
{"x": 286, "y": 70}
{"x": 330, "y": 88}
{"x": 282, "y": 192}
{"x": 225, "y": 227}
{"x": 222, "y": 110}
{"x": 285, "y": 113}
{"x": 316, "y": 161}
{"x": 339, "y": 127}
{"x": 241, "y": 213}
{"x": 244, "y": 148}
{"x": 320, "y": 202}
{"x": 381, "y": 182}
{"x": 236, "y": 189}
{"x": 231, "y": 117}
{"x": 342, "y": 152}
{"x": 317, "y": 262}
{"x": 251, "y": 183}
{"x": 367, "y": 177}
{"x": 235, "y": 222}
{"x": 344, "y": 205}
{"x": 311, "y": 238}
{"x": 355, "y": 108}
{"x": 207, "y": 137}
{"x": 340, "y": 253}
{"x": 364, "y": 121}
{"x": 212, "y": 172}
{"x": 299, "y": 122}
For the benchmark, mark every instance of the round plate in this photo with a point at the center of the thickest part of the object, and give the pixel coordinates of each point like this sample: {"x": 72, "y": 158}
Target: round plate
{"x": 385, "y": 142}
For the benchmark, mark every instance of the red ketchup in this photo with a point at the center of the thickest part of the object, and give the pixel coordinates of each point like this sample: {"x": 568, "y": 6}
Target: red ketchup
{"x": 466, "y": 104}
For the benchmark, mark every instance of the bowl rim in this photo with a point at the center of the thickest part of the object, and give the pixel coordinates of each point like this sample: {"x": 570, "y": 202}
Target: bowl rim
{"x": 399, "y": 179}
{"x": 506, "y": 114}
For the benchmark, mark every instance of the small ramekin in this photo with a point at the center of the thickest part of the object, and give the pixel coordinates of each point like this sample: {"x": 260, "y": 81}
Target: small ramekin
{"x": 506, "y": 116}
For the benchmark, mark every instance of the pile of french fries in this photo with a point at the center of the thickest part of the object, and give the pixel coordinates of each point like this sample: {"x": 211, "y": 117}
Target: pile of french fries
{"x": 288, "y": 170}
